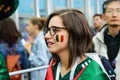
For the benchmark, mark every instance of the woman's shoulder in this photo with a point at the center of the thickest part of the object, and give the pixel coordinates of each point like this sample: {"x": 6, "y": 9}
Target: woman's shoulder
{"x": 93, "y": 71}
{"x": 19, "y": 46}
{"x": 1, "y": 45}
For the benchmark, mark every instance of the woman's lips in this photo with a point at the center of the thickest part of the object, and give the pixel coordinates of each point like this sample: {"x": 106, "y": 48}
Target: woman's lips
{"x": 49, "y": 44}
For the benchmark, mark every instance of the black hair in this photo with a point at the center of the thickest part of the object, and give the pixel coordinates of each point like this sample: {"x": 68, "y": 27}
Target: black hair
{"x": 100, "y": 15}
{"x": 106, "y": 3}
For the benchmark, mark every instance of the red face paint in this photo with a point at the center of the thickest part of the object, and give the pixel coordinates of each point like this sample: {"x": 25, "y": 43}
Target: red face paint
{"x": 59, "y": 38}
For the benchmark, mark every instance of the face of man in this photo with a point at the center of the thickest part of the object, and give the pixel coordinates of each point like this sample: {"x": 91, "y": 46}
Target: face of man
{"x": 112, "y": 14}
{"x": 98, "y": 22}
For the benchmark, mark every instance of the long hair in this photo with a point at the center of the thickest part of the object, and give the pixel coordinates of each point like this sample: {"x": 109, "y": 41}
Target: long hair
{"x": 8, "y": 31}
{"x": 79, "y": 34}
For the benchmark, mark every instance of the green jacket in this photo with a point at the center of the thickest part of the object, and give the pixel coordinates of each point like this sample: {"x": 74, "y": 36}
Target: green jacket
{"x": 4, "y": 75}
{"x": 92, "y": 72}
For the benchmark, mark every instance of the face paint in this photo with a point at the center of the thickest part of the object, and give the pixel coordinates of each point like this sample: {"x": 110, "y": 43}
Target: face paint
{"x": 59, "y": 38}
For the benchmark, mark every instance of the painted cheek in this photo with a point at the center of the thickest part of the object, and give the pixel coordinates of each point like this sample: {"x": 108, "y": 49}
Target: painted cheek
{"x": 59, "y": 38}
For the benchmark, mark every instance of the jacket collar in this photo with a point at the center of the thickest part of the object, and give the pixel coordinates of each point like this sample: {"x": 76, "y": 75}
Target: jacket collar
{"x": 100, "y": 35}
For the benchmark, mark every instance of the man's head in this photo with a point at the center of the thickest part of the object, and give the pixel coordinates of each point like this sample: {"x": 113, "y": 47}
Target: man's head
{"x": 111, "y": 10}
{"x": 98, "y": 21}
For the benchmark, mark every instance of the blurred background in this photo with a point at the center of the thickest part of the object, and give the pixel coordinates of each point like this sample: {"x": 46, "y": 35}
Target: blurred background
{"x": 39, "y": 8}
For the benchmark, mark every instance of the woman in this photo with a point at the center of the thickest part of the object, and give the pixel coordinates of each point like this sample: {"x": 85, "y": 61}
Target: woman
{"x": 38, "y": 52}
{"x": 68, "y": 38}
{"x": 10, "y": 42}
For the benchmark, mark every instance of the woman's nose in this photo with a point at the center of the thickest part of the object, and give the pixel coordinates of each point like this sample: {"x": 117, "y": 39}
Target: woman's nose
{"x": 47, "y": 35}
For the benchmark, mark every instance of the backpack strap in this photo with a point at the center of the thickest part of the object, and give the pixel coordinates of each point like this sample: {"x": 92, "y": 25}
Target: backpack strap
{"x": 9, "y": 52}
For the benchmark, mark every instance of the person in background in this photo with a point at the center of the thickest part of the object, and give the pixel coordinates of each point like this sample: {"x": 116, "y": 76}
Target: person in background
{"x": 68, "y": 38}
{"x": 29, "y": 30}
{"x": 10, "y": 38}
{"x": 10, "y": 42}
{"x": 38, "y": 52}
{"x": 28, "y": 43}
{"x": 4, "y": 74}
{"x": 107, "y": 41}
{"x": 98, "y": 22}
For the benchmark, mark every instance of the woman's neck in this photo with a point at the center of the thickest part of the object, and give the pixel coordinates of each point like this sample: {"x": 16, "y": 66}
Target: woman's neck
{"x": 64, "y": 58}
{"x": 36, "y": 33}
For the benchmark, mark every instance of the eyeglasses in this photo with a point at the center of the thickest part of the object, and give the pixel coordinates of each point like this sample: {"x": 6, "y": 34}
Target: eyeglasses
{"x": 111, "y": 11}
{"x": 52, "y": 30}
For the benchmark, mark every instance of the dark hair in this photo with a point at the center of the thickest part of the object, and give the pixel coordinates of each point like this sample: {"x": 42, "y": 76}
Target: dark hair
{"x": 100, "y": 15}
{"x": 107, "y": 3}
{"x": 38, "y": 21}
{"x": 8, "y": 31}
{"x": 78, "y": 29}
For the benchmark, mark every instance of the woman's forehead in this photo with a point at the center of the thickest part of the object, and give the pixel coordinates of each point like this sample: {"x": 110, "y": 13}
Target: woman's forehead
{"x": 56, "y": 21}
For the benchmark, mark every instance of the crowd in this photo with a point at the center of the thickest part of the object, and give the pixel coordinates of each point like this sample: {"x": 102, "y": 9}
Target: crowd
{"x": 64, "y": 41}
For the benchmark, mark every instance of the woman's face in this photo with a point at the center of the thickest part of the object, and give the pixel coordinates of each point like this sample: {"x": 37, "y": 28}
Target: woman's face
{"x": 57, "y": 35}
{"x": 30, "y": 28}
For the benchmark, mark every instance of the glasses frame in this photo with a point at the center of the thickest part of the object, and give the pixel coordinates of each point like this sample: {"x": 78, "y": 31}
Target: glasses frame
{"x": 52, "y": 30}
{"x": 110, "y": 11}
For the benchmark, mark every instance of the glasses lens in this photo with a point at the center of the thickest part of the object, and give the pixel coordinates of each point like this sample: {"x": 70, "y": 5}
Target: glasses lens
{"x": 46, "y": 30}
{"x": 52, "y": 31}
